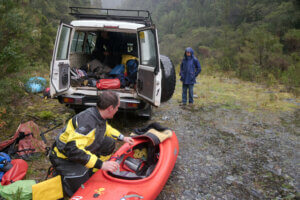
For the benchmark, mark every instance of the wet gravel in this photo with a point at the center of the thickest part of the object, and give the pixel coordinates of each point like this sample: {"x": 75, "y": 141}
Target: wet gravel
{"x": 230, "y": 154}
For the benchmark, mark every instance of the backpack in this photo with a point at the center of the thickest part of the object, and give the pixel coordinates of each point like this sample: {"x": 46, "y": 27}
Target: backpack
{"x": 25, "y": 142}
{"x": 132, "y": 68}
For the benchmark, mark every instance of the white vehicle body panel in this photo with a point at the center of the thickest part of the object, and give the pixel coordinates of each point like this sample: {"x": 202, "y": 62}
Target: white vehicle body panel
{"x": 152, "y": 96}
{"x": 107, "y": 24}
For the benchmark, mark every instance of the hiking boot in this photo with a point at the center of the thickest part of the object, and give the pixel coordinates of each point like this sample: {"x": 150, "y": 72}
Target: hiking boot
{"x": 182, "y": 104}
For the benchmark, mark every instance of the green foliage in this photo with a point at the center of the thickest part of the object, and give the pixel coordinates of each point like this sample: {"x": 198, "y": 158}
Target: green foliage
{"x": 251, "y": 38}
{"x": 46, "y": 114}
{"x": 12, "y": 88}
{"x": 290, "y": 77}
{"x": 12, "y": 58}
{"x": 15, "y": 39}
{"x": 255, "y": 39}
{"x": 28, "y": 30}
{"x": 291, "y": 40}
{"x": 27, "y": 34}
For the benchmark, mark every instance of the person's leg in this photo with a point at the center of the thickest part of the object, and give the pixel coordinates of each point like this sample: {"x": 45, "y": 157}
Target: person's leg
{"x": 72, "y": 174}
{"x": 191, "y": 93}
{"x": 184, "y": 93}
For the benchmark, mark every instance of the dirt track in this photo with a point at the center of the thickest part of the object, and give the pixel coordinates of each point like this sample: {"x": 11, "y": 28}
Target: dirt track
{"x": 230, "y": 153}
{"x": 226, "y": 151}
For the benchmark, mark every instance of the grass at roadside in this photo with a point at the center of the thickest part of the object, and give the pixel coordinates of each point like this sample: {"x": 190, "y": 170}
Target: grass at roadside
{"x": 234, "y": 93}
{"x": 17, "y": 105}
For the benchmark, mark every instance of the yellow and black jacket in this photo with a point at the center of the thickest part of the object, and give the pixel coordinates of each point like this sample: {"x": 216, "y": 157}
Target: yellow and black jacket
{"x": 82, "y": 137}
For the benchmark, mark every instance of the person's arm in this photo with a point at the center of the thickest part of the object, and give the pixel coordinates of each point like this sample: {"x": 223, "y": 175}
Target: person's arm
{"x": 115, "y": 134}
{"x": 76, "y": 143}
{"x": 180, "y": 72}
{"x": 198, "y": 67}
{"x": 110, "y": 166}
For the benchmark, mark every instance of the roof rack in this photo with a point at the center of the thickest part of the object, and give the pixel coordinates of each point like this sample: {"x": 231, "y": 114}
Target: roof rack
{"x": 137, "y": 16}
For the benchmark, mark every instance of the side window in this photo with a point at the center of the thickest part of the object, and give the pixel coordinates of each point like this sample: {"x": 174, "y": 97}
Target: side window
{"x": 148, "y": 48}
{"x": 77, "y": 42}
{"x": 63, "y": 46}
{"x": 90, "y": 43}
{"x": 83, "y": 42}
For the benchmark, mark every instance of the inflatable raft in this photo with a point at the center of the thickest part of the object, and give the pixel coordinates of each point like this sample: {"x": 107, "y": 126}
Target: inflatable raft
{"x": 144, "y": 169}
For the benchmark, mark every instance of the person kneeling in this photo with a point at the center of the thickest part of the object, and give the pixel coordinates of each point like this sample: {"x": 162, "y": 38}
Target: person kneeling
{"x": 86, "y": 143}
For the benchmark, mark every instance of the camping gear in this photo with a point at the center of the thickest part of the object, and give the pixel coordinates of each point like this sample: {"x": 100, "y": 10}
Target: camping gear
{"x": 97, "y": 68}
{"x": 125, "y": 58}
{"x": 17, "y": 172}
{"x": 104, "y": 84}
{"x": 17, "y": 190}
{"x": 48, "y": 189}
{"x": 132, "y": 68}
{"x": 46, "y": 93}
{"x": 118, "y": 72}
{"x": 25, "y": 142}
{"x": 144, "y": 183}
{"x": 35, "y": 84}
{"x": 119, "y": 69}
{"x": 133, "y": 164}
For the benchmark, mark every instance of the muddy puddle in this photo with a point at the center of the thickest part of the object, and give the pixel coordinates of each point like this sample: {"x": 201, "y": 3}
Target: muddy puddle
{"x": 228, "y": 153}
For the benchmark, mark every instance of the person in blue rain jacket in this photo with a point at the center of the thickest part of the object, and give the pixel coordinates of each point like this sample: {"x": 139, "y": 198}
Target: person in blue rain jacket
{"x": 189, "y": 70}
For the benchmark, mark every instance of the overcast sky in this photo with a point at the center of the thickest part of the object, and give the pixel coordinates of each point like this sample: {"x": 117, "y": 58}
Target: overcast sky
{"x": 111, "y": 3}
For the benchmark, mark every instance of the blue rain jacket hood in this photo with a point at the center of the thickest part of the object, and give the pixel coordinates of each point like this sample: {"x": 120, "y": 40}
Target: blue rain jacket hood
{"x": 189, "y": 68}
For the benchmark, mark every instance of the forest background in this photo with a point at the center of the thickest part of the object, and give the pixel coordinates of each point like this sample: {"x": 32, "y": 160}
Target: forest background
{"x": 255, "y": 40}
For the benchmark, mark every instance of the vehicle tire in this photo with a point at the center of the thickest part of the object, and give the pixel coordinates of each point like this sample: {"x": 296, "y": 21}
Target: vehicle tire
{"x": 168, "y": 82}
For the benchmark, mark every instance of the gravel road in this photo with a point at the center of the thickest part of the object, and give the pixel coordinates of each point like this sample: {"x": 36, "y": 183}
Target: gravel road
{"x": 229, "y": 154}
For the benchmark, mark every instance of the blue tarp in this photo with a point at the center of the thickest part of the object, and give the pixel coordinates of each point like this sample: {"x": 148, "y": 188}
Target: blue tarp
{"x": 35, "y": 85}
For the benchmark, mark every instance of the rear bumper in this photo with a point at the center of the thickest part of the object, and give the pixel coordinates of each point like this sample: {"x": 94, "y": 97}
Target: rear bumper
{"x": 87, "y": 101}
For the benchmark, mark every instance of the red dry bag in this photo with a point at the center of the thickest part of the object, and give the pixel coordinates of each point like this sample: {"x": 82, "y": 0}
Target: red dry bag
{"x": 16, "y": 173}
{"x": 104, "y": 84}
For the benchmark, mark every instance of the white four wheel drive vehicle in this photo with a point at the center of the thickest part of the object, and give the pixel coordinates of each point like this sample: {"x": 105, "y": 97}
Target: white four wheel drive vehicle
{"x": 102, "y": 41}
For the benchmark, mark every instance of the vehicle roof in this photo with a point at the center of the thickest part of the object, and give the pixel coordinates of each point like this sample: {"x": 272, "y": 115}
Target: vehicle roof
{"x": 106, "y": 23}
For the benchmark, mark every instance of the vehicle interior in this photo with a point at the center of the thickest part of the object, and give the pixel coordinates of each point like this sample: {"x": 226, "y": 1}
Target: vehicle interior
{"x": 94, "y": 54}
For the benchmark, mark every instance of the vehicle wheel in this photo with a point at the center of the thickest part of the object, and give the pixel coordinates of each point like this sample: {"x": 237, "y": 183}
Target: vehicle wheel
{"x": 168, "y": 78}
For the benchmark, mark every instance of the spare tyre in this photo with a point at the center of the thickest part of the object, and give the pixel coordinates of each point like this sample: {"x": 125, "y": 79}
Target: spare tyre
{"x": 168, "y": 82}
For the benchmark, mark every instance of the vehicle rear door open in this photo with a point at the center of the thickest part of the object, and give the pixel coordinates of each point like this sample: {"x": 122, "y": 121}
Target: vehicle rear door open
{"x": 60, "y": 64}
{"x": 149, "y": 73}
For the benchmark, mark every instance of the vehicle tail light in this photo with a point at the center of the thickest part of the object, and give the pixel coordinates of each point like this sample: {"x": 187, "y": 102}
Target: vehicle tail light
{"x": 132, "y": 105}
{"x": 68, "y": 100}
